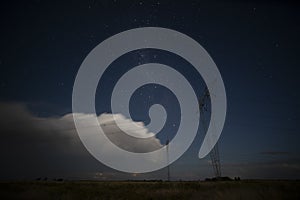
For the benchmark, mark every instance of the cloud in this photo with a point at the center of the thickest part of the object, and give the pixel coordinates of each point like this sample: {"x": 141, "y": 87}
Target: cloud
{"x": 277, "y": 169}
{"x": 32, "y": 146}
{"x": 131, "y": 136}
{"x": 140, "y": 139}
{"x": 275, "y": 153}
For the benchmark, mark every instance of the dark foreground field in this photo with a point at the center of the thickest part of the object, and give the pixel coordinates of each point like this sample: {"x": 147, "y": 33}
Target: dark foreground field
{"x": 150, "y": 190}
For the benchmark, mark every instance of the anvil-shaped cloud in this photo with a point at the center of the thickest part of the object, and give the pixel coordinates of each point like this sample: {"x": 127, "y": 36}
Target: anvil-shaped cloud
{"x": 53, "y": 141}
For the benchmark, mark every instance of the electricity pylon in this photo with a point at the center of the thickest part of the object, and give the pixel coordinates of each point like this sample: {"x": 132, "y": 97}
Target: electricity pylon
{"x": 214, "y": 154}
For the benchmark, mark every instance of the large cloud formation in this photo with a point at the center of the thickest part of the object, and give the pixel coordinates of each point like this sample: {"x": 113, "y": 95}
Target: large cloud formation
{"x": 33, "y": 146}
{"x": 125, "y": 133}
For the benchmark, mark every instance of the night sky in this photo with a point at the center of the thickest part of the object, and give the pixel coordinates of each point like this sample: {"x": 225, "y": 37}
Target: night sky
{"x": 255, "y": 45}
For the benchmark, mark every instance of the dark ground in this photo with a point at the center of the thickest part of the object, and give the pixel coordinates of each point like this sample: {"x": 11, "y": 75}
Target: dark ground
{"x": 150, "y": 190}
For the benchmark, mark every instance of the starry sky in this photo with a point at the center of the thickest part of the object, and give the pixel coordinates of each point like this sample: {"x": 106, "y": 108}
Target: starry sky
{"x": 255, "y": 45}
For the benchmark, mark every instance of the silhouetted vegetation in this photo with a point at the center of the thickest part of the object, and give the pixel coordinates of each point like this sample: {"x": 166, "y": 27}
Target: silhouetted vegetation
{"x": 150, "y": 190}
{"x": 224, "y": 178}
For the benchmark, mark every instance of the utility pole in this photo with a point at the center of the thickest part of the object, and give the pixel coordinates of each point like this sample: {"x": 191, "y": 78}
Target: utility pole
{"x": 168, "y": 166}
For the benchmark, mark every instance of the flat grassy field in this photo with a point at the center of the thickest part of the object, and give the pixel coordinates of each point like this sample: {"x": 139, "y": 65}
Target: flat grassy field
{"x": 151, "y": 190}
